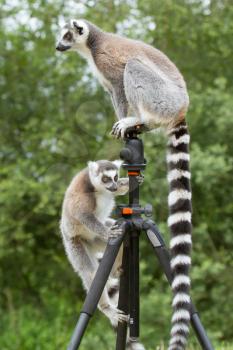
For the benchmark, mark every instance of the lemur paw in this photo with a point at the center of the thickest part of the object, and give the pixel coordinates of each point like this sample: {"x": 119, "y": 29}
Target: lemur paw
{"x": 123, "y": 186}
{"x": 140, "y": 179}
{"x": 115, "y": 231}
{"x": 109, "y": 222}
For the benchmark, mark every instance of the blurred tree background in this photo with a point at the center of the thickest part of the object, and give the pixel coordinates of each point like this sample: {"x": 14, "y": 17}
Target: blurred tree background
{"x": 55, "y": 117}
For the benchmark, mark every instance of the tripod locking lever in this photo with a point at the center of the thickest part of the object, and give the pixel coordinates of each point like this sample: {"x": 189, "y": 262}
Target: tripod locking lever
{"x": 125, "y": 211}
{"x": 148, "y": 210}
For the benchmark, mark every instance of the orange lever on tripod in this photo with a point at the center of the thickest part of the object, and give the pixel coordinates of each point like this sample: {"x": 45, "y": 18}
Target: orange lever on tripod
{"x": 133, "y": 173}
{"x": 127, "y": 211}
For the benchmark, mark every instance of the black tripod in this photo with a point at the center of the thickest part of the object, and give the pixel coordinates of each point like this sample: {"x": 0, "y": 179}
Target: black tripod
{"x": 132, "y": 223}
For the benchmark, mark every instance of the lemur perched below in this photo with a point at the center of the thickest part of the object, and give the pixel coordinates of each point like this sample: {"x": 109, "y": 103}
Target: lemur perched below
{"x": 86, "y": 227}
{"x": 142, "y": 81}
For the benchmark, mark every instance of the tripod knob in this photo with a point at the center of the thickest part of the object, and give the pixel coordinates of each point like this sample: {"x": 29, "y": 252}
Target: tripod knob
{"x": 126, "y": 154}
{"x": 148, "y": 210}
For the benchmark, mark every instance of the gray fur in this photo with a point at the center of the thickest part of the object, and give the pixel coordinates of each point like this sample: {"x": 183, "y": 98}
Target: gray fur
{"x": 90, "y": 221}
{"x": 148, "y": 87}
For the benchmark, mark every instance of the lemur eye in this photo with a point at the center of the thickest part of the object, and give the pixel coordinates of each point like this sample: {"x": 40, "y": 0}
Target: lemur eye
{"x": 68, "y": 36}
{"x": 115, "y": 178}
{"x": 105, "y": 179}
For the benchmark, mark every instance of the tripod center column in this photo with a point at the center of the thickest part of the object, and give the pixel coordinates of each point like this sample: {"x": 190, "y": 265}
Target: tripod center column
{"x": 133, "y": 156}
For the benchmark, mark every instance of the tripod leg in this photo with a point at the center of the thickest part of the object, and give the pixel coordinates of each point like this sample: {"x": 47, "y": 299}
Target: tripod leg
{"x": 123, "y": 303}
{"x": 134, "y": 286}
{"x": 199, "y": 330}
{"x": 162, "y": 254}
{"x": 96, "y": 289}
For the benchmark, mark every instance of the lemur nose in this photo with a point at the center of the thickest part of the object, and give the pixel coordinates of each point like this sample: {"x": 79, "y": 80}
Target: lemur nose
{"x": 61, "y": 47}
{"x": 113, "y": 187}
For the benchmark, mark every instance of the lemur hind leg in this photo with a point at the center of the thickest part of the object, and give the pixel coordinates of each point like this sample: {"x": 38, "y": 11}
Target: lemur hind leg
{"x": 86, "y": 268}
{"x": 77, "y": 255}
{"x": 154, "y": 97}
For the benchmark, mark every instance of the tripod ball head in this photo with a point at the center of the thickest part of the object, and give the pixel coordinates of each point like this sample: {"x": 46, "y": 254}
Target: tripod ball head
{"x": 126, "y": 154}
{"x": 133, "y": 154}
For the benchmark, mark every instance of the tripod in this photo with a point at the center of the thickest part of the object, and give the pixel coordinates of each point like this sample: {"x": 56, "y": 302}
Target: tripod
{"x": 132, "y": 224}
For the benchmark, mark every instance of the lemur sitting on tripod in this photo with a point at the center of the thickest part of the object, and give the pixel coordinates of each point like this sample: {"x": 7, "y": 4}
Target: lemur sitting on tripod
{"x": 86, "y": 226}
{"x": 142, "y": 80}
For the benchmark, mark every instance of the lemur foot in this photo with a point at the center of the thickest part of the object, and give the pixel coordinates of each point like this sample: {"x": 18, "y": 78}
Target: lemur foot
{"x": 121, "y": 316}
{"x": 120, "y": 127}
{"x": 115, "y": 315}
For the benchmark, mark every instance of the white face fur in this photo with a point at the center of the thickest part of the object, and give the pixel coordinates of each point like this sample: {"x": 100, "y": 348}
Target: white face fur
{"x": 73, "y": 35}
{"x": 104, "y": 180}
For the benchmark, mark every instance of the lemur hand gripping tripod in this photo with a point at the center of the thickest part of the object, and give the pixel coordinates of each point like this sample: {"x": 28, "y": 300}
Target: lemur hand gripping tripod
{"x": 132, "y": 224}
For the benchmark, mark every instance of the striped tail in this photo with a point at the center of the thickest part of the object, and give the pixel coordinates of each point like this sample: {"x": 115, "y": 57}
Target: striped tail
{"x": 179, "y": 222}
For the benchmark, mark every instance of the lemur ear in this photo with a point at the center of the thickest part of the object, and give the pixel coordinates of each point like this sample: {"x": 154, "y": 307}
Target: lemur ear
{"x": 118, "y": 163}
{"x": 93, "y": 167}
{"x": 78, "y": 28}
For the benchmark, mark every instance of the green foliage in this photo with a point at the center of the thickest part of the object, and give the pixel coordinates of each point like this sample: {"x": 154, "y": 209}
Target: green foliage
{"x": 55, "y": 117}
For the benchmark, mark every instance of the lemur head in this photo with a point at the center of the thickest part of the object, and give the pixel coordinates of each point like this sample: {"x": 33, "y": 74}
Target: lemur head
{"x": 104, "y": 175}
{"x": 73, "y": 35}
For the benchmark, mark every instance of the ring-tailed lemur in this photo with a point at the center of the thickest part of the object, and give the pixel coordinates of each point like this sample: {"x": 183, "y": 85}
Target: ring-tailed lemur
{"x": 86, "y": 225}
{"x": 142, "y": 80}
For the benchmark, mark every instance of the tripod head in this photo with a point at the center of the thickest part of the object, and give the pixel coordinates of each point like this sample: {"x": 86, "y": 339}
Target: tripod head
{"x": 133, "y": 152}
{"x": 134, "y": 162}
